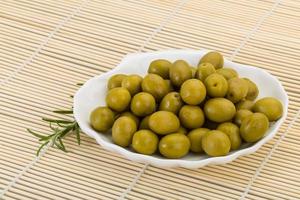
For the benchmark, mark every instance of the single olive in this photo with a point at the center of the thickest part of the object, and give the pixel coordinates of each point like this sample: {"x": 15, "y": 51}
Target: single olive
{"x": 182, "y": 130}
{"x": 143, "y": 104}
{"x": 216, "y": 143}
{"x": 155, "y": 85}
{"x": 191, "y": 117}
{"x": 193, "y": 91}
{"x": 241, "y": 115}
{"x": 213, "y": 57}
{"x": 204, "y": 70}
{"x": 237, "y": 89}
{"x": 216, "y": 85}
{"x": 180, "y": 72}
{"x": 233, "y": 132}
{"x": 160, "y": 67}
{"x": 118, "y": 99}
{"x": 219, "y": 110}
{"x": 132, "y": 83}
{"x": 195, "y": 137}
{"x": 132, "y": 116}
{"x": 254, "y": 127}
{"x": 172, "y": 102}
{"x": 174, "y": 145}
{"x": 252, "y": 89}
{"x": 145, "y": 142}
{"x": 269, "y": 106}
{"x": 145, "y": 123}
{"x": 123, "y": 130}
{"x": 169, "y": 85}
{"x": 228, "y": 73}
{"x": 115, "y": 81}
{"x": 164, "y": 122}
{"x": 102, "y": 119}
{"x": 194, "y": 71}
{"x": 245, "y": 104}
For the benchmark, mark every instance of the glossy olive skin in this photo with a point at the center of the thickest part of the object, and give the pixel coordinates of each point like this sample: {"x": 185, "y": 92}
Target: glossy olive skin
{"x": 254, "y": 127}
{"x": 216, "y": 143}
{"x": 132, "y": 116}
{"x": 241, "y": 115}
{"x": 145, "y": 142}
{"x": 118, "y": 99}
{"x": 155, "y": 85}
{"x": 204, "y": 70}
{"x": 143, "y": 104}
{"x": 228, "y": 73}
{"x": 145, "y": 123}
{"x": 194, "y": 71}
{"x": 169, "y": 85}
{"x": 160, "y": 67}
{"x": 195, "y": 137}
{"x": 252, "y": 90}
{"x": 180, "y": 72}
{"x": 182, "y": 130}
{"x": 102, "y": 119}
{"x": 174, "y": 145}
{"x": 237, "y": 89}
{"x": 219, "y": 110}
{"x": 193, "y": 91}
{"x": 233, "y": 132}
{"x": 164, "y": 122}
{"x": 269, "y": 106}
{"x": 245, "y": 104}
{"x": 132, "y": 83}
{"x": 115, "y": 81}
{"x": 216, "y": 85}
{"x": 123, "y": 130}
{"x": 191, "y": 117}
{"x": 172, "y": 102}
{"x": 213, "y": 57}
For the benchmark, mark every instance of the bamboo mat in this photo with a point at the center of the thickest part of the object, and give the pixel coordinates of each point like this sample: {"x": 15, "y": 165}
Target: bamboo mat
{"x": 46, "y": 47}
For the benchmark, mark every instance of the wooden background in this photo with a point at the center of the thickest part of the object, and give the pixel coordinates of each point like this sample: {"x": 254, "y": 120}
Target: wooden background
{"x": 46, "y": 47}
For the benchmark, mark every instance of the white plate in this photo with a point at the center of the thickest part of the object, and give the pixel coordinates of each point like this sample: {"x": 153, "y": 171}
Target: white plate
{"x": 93, "y": 92}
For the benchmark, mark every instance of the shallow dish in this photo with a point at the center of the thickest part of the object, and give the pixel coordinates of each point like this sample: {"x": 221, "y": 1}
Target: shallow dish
{"x": 93, "y": 92}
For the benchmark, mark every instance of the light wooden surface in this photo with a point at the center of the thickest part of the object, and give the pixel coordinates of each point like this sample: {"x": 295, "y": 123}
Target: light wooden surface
{"x": 46, "y": 47}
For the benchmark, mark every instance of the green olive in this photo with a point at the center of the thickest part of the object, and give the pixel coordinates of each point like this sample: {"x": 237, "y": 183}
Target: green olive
{"x": 123, "y": 130}
{"x": 169, "y": 85}
{"x": 228, "y": 73}
{"x": 233, "y": 132}
{"x": 237, "y": 89}
{"x": 216, "y": 85}
{"x": 182, "y": 130}
{"x": 160, "y": 67}
{"x": 102, "y": 119}
{"x": 193, "y": 91}
{"x": 145, "y": 142}
{"x": 191, "y": 117}
{"x": 241, "y": 115}
{"x": 155, "y": 85}
{"x": 118, "y": 99}
{"x": 216, "y": 143}
{"x": 269, "y": 106}
{"x": 180, "y": 72}
{"x": 219, "y": 110}
{"x": 252, "y": 89}
{"x": 194, "y": 71}
{"x": 171, "y": 102}
{"x": 115, "y": 81}
{"x": 175, "y": 145}
{"x": 164, "y": 122}
{"x": 254, "y": 127}
{"x": 204, "y": 70}
{"x": 143, "y": 104}
{"x": 132, "y": 116}
{"x": 132, "y": 83}
{"x": 245, "y": 104}
{"x": 145, "y": 123}
{"x": 213, "y": 57}
{"x": 195, "y": 137}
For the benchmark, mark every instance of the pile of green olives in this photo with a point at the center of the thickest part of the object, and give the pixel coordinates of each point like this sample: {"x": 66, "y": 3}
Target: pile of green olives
{"x": 177, "y": 108}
